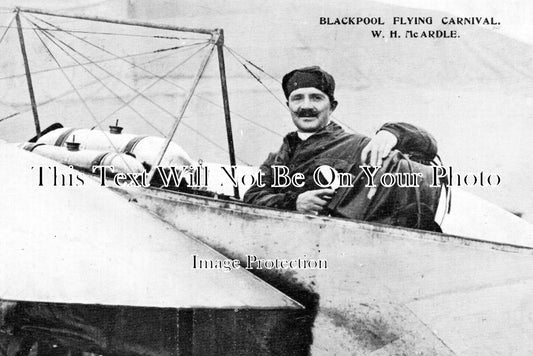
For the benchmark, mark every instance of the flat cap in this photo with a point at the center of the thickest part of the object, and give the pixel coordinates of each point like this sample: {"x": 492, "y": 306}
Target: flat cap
{"x": 314, "y": 77}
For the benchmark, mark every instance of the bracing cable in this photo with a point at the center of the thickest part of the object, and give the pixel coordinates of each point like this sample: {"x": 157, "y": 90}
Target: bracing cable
{"x": 140, "y": 93}
{"x": 161, "y": 77}
{"x": 80, "y": 97}
{"x": 13, "y": 76}
{"x": 53, "y": 40}
{"x": 70, "y": 91}
{"x": 241, "y": 59}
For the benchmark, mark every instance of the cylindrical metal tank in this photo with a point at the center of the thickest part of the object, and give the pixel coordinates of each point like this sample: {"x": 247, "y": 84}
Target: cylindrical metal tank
{"x": 145, "y": 148}
{"x": 86, "y": 159}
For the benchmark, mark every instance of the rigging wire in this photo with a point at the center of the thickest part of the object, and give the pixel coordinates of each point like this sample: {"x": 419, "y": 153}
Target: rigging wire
{"x": 50, "y": 37}
{"x": 163, "y": 78}
{"x": 235, "y": 54}
{"x": 140, "y": 93}
{"x": 70, "y": 91}
{"x": 107, "y": 60}
{"x": 45, "y": 32}
{"x": 81, "y": 98}
{"x": 10, "y": 116}
{"x": 121, "y": 99}
{"x": 121, "y": 34}
{"x": 7, "y": 28}
{"x": 259, "y": 80}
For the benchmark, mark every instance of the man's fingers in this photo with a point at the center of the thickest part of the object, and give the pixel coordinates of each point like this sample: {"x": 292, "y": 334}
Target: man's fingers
{"x": 385, "y": 152}
{"x": 314, "y": 201}
{"x": 311, "y": 208}
{"x": 325, "y": 193}
{"x": 378, "y": 148}
{"x": 374, "y": 161}
{"x": 364, "y": 154}
{"x": 320, "y": 202}
{"x": 374, "y": 157}
{"x": 317, "y": 207}
{"x": 379, "y": 154}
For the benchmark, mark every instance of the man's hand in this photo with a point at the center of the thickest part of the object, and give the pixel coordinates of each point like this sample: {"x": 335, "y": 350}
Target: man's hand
{"x": 314, "y": 201}
{"x": 378, "y": 148}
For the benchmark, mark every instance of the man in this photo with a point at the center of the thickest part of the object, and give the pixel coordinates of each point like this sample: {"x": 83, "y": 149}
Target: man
{"x": 319, "y": 141}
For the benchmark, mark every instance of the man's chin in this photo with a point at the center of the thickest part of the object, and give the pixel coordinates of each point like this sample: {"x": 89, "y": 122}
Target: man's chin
{"x": 310, "y": 126}
{"x": 309, "y": 122}
{"x": 305, "y": 129}
{"x": 308, "y": 118}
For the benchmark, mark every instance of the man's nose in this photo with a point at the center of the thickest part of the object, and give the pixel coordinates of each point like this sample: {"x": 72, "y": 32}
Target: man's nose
{"x": 306, "y": 103}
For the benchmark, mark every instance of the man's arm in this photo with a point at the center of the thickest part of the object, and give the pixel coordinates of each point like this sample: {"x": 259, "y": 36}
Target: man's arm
{"x": 413, "y": 140}
{"x": 404, "y": 137}
{"x": 268, "y": 196}
{"x": 311, "y": 201}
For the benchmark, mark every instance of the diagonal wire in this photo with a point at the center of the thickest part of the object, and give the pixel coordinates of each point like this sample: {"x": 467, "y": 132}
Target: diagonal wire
{"x": 259, "y": 80}
{"x": 123, "y": 58}
{"x": 81, "y": 98}
{"x": 99, "y": 80}
{"x": 106, "y": 60}
{"x": 129, "y": 34}
{"x": 70, "y": 91}
{"x": 83, "y": 39}
{"x": 7, "y": 28}
{"x": 234, "y": 52}
{"x": 10, "y": 116}
{"x": 161, "y": 77}
{"x": 110, "y": 90}
{"x": 244, "y": 59}
{"x": 118, "y": 33}
{"x": 140, "y": 93}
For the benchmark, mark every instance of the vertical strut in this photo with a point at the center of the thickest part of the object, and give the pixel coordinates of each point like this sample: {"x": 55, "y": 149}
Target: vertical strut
{"x": 28, "y": 76}
{"x": 225, "y": 99}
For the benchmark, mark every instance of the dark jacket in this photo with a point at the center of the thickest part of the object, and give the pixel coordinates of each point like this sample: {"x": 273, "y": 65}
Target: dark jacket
{"x": 334, "y": 147}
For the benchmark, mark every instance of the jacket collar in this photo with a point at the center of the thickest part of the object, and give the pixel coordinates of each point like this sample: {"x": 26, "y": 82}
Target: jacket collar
{"x": 331, "y": 128}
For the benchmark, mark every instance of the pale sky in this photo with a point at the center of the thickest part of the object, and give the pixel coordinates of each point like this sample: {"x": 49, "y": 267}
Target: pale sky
{"x": 515, "y": 16}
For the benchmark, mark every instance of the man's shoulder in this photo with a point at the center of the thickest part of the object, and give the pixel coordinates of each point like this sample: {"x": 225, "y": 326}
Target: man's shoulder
{"x": 330, "y": 133}
{"x": 334, "y": 130}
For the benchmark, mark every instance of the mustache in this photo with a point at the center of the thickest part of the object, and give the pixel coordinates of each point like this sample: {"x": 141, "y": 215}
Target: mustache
{"x": 307, "y": 113}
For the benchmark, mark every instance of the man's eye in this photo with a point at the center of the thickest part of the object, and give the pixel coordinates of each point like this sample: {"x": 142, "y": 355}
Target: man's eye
{"x": 296, "y": 97}
{"x": 317, "y": 97}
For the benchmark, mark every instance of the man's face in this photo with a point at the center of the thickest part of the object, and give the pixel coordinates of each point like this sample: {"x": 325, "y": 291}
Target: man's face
{"x": 310, "y": 109}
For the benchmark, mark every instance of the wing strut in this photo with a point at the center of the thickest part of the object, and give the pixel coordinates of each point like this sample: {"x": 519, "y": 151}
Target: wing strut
{"x": 203, "y": 65}
{"x": 217, "y": 39}
{"x": 225, "y": 99}
{"x": 28, "y": 76}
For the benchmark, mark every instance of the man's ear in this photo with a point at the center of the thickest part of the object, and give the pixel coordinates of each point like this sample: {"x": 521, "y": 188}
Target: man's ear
{"x": 333, "y": 105}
